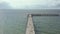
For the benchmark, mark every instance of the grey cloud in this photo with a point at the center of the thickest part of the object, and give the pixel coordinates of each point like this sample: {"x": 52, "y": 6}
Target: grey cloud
{"x": 58, "y": 6}
{"x": 5, "y": 5}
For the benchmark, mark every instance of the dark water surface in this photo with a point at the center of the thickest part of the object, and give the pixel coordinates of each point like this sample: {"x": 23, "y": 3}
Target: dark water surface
{"x": 14, "y": 21}
{"x": 47, "y": 24}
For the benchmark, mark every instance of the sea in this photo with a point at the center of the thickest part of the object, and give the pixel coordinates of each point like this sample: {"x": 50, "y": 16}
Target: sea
{"x": 14, "y": 21}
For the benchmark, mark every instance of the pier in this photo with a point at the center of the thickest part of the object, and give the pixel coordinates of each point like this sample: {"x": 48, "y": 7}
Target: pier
{"x": 30, "y": 26}
{"x": 45, "y": 14}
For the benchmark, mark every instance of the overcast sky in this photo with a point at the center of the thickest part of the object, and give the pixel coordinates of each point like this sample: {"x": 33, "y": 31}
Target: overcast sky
{"x": 29, "y": 4}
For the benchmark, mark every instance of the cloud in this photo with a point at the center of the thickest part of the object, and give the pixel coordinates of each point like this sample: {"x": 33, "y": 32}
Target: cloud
{"x": 31, "y": 4}
{"x": 5, "y": 5}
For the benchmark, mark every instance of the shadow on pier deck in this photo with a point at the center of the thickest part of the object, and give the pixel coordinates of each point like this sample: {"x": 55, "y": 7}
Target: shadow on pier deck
{"x": 30, "y": 26}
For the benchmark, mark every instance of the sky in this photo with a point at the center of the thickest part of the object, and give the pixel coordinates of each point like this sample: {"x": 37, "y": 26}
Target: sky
{"x": 29, "y": 4}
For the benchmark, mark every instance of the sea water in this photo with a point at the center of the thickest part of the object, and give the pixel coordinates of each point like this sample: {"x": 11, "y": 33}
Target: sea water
{"x": 14, "y": 21}
{"x": 47, "y": 24}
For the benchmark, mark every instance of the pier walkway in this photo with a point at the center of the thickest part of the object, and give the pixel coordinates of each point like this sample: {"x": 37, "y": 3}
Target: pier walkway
{"x": 30, "y": 27}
